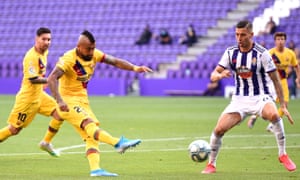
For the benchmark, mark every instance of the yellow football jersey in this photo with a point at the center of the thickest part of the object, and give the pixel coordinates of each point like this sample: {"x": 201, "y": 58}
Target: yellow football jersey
{"x": 77, "y": 73}
{"x": 283, "y": 60}
{"x": 34, "y": 65}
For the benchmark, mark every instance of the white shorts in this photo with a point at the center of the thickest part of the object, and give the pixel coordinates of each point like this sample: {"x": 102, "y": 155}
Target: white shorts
{"x": 248, "y": 105}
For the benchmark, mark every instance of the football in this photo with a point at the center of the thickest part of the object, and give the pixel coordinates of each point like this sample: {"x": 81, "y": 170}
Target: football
{"x": 199, "y": 150}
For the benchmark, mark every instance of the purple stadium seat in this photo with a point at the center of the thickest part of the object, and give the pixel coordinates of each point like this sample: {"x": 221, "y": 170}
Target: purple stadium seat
{"x": 197, "y": 74}
{"x": 171, "y": 74}
{"x": 205, "y": 73}
{"x": 116, "y": 28}
{"x": 184, "y": 65}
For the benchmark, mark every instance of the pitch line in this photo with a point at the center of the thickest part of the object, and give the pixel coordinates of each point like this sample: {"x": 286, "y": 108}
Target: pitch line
{"x": 226, "y": 136}
{"x": 203, "y": 137}
{"x": 150, "y": 150}
{"x": 167, "y": 149}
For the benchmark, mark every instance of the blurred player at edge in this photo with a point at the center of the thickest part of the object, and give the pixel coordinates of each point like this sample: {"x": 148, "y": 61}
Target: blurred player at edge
{"x": 31, "y": 98}
{"x": 254, "y": 72}
{"x": 68, "y": 84}
{"x": 284, "y": 58}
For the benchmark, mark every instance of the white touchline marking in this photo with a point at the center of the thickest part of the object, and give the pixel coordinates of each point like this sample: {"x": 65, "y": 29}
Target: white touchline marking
{"x": 167, "y": 149}
{"x": 149, "y": 150}
{"x": 70, "y": 147}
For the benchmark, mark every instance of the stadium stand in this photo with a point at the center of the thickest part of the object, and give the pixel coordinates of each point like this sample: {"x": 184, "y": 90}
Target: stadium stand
{"x": 116, "y": 25}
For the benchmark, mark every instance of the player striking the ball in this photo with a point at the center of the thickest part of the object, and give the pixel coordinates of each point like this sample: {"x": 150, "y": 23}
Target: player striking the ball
{"x": 68, "y": 84}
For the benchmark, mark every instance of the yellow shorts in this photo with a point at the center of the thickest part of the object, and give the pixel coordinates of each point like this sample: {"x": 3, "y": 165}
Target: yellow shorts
{"x": 23, "y": 113}
{"x": 78, "y": 111}
{"x": 285, "y": 89}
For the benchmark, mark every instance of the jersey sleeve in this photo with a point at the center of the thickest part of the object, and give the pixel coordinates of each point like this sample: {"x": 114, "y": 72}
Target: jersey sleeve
{"x": 267, "y": 62}
{"x": 99, "y": 55}
{"x": 65, "y": 62}
{"x": 225, "y": 59}
{"x": 30, "y": 66}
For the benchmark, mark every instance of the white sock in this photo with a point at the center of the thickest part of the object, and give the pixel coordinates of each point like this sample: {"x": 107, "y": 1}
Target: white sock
{"x": 278, "y": 129}
{"x": 215, "y": 144}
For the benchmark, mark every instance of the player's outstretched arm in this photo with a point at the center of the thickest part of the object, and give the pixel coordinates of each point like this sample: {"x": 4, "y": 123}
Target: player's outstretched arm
{"x": 126, "y": 65}
{"x": 297, "y": 80}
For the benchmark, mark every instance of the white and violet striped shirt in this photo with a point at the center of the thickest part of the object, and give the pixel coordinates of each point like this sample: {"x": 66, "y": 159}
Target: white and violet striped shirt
{"x": 250, "y": 70}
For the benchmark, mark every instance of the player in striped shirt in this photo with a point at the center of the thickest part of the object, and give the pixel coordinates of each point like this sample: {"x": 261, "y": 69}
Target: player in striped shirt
{"x": 255, "y": 74}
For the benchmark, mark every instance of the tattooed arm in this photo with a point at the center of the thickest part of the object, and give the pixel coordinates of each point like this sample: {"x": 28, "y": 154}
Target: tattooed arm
{"x": 123, "y": 64}
{"x": 53, "y": 85}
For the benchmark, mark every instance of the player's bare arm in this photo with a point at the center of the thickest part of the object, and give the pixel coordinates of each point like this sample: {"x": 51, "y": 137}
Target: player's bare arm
{"x": 276, "y": 81}
{"x": 297, "y": 80}
{"x": 123, "y": 64}
{"x": 53, "y": 85}
{"x": 219, "y": 73}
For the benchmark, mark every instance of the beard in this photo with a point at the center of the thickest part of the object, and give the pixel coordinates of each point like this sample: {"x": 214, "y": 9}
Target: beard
{"x": 86, "y": 58}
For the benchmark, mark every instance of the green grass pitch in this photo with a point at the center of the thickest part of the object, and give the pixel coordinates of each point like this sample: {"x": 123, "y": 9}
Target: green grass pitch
{"x": 166, "y": 127}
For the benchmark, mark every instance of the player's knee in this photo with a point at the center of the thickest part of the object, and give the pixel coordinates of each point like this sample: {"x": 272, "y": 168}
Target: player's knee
{"x": 272, "y": 116}
{"x": 56, "y": 115}
{"x": 96, "y": 134}
{"x": 86, "y": 122}
{"x": 14, "y": 130}
{"x": 90, "y": 128}
{"x": 219, "y": 131}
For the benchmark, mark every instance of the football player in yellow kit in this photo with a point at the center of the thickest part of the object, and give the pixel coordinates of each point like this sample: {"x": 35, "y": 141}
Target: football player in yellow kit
{"x": 68, "y": 84}
{"x": 31, "y": 98}
{"x": 284, "y": 58}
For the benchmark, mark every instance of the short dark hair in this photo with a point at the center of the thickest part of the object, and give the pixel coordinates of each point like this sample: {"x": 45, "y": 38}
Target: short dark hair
{"x": 43, "y": 30}
{"x": 89, "y": 35}
{"x": 280, "y": 34}
{"x": 244, "y": 24}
